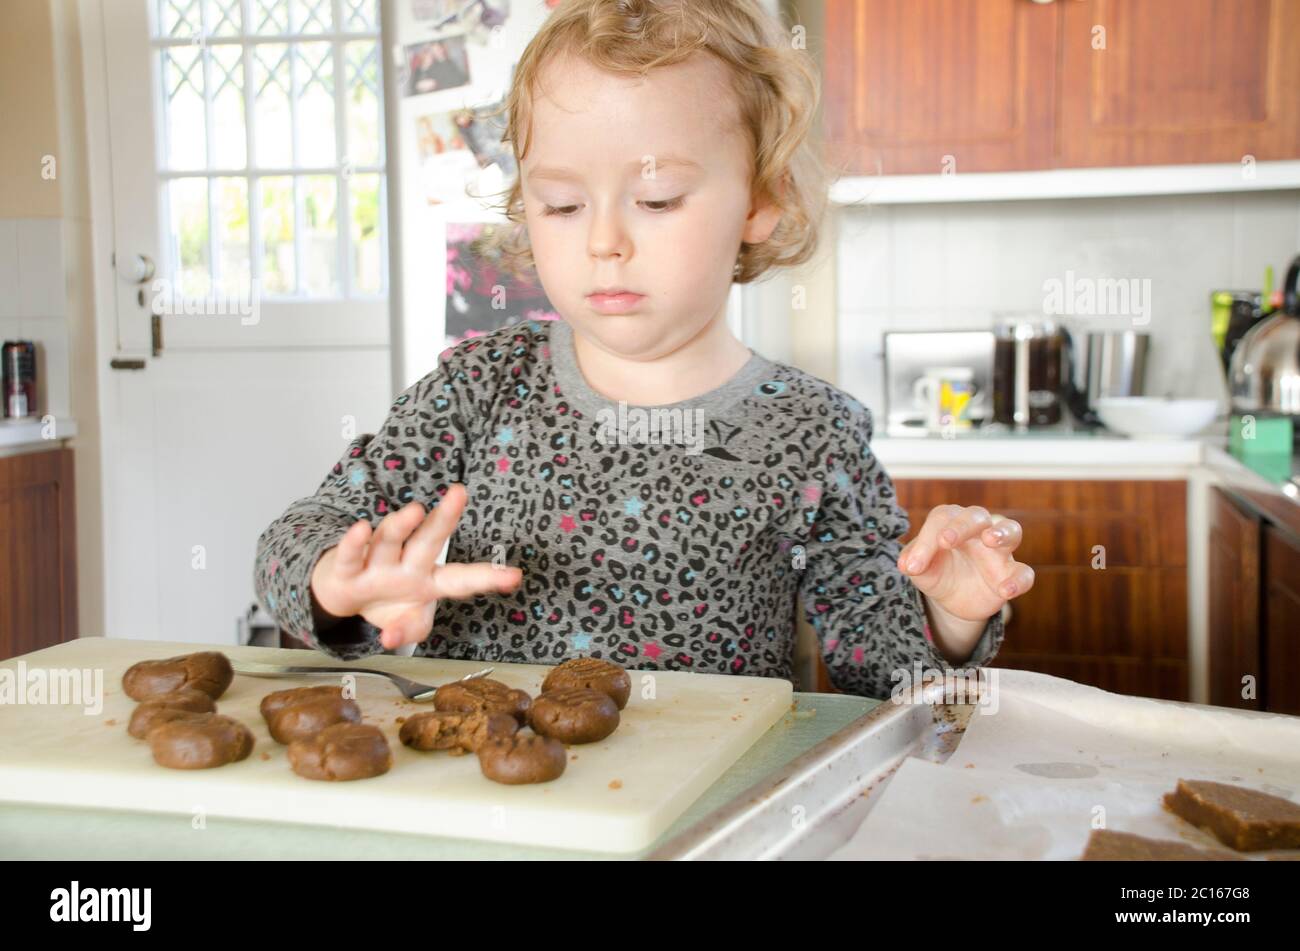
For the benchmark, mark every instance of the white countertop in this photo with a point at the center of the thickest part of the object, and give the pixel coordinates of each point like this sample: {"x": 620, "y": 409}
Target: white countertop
{"x": 1063, "y": 449}
{"x": 29, "y": 435}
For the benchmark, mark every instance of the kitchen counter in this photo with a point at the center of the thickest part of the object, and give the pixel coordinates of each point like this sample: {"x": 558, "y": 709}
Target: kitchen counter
{"x": 46, "y": 832}
{"x": 19, "y": 436}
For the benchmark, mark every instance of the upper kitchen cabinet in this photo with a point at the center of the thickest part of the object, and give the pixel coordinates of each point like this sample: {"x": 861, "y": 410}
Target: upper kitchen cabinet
{"x": 927, "y": 86}
{"x": 1167, "y": 82}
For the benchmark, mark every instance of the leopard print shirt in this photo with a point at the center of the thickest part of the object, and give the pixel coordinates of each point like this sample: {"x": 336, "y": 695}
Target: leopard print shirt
{"x": 677, "y": 541}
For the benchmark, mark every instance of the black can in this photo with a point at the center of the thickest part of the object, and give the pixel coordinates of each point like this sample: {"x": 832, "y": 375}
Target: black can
{"x": 19, "y": 361}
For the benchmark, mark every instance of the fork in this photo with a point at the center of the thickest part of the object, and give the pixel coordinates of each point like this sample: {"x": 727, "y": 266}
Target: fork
{"x": 411, "y": 689}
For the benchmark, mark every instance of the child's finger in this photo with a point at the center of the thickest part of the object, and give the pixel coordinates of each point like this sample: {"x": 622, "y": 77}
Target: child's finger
{"x": 400, "y": 632}
{"x": 1019, "y": 580}
{"x": 386, "y": 547}
{"x": 915, "y": 558}
{"x": 1005, "y": 534}
{"x": 425, "y": 543}
{"x": 969, "y": 523}
{"x": 465, "y": 581}
{"x": 350, "y": 556}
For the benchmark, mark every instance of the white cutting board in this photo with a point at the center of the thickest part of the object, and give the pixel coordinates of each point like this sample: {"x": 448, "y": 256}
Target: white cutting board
{"x": 677, "y": 735}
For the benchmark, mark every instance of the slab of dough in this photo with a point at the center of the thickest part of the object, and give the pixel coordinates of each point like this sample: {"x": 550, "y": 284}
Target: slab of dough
{"x": 208, "y": 671}
{"x": 1244, "y": 819}
{"x": 1105, "y": 845}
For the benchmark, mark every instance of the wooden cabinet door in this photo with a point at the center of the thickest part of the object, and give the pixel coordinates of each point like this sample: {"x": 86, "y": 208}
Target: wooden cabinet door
{"x": 1234, "y": 581}
{"x": 1177, "y": 81}
{"x": 38, "y": 541}
{"x": 1109, "y": 602}
{"x": 927, "y": 86}
{"x": 1281, "y": 622}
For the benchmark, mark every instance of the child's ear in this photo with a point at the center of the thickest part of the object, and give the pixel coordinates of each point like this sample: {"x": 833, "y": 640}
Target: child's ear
{"x": 764, "y": 213}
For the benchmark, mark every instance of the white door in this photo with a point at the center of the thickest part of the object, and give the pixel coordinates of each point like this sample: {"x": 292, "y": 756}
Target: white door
{"x": 238, "y": 182}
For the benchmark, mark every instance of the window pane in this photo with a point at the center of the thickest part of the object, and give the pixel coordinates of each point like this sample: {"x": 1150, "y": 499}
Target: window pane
{"x": 313, "y": 16}
{"x": 363, "y": 100}
{"x": 314, "y": 70}
{"x": 320, "y": 242}
{"x": 274, "y": 118}
{"x": 224, "y": 17}
{"x": 229, "y": 144}
{"x": 277, "y": 236}
{"x": 232, "y": 236}
{"x": 367, "y": 260}
{"x": 182, "y": 68}
{"x": 270, "y": 16}
{"x": 177, "y": 18}
{"x": 188, "y": 201}
{"x": 361, "y": 15}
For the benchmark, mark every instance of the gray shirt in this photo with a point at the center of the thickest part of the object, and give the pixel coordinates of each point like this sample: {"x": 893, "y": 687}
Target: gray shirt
{"x": 660, "y": 538}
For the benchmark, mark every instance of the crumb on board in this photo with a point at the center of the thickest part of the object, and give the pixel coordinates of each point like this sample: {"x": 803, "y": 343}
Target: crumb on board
{"x": 979, "y": 799}
{"x": 969, "y": 766}
{"x": 573, "y": 757}
{"x": 616, "y": 784}
{"x": 399, "y": 720}
{"x": 265, "y": 755}
{"x": 744, "y": 700}
{"x": 111, "y": 722}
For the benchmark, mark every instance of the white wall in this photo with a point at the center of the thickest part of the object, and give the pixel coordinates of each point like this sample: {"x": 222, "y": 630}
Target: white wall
{"x": 953, "y": 266}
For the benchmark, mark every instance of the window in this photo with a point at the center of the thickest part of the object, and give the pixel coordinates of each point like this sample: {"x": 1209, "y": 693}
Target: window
{"x": 271, "y": 147}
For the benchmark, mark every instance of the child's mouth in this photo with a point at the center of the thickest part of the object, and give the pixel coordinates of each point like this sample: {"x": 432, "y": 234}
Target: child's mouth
{"x": 620, "y": 302}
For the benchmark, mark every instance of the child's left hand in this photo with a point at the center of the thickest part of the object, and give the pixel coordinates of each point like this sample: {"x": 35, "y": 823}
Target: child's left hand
{"x": 961, "y": 560}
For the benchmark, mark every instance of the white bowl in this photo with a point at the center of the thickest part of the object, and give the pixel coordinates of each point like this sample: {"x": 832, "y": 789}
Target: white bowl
{"x": 1156, "y": 416}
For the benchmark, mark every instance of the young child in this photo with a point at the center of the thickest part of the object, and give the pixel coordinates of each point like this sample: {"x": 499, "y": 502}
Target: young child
{"x": 664, "y": 152}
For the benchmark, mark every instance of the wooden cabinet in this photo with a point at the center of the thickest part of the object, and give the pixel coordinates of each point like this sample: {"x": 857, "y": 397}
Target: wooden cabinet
{"x": 1109, "y": 602}
{"x": 1178, "y": 81}
{"x": 38, "y": 567}
{"x": 1002, "y": 85}
{"x": 1234, "y": 630}
{"x": 1281, "y": 622}
{"x": 1254, "y": 607}
{"x": 916, "y": 85}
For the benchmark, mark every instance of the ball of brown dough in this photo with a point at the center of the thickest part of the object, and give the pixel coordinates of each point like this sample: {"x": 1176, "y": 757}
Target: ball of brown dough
{"x": 342, "y": 752}
{"x": 522, "y": 758}
{"x": 207, "y": 671}
{"x": 301, "y": 713}
{"x": 166, "y": 707}
{"x": 200, "y": 741}
{"x": 458, "y": 732}
{"x": 594, "y": 674}
{"x": 482, "y": 695}
{"x": 574, "y": 715}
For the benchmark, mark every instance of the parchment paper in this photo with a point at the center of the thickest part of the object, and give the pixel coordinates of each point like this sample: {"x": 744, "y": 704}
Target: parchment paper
{"x": 1036, "y": 773}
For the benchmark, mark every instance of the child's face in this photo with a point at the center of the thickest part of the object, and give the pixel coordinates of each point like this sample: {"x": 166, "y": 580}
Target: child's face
{"x": 629, "y": 217}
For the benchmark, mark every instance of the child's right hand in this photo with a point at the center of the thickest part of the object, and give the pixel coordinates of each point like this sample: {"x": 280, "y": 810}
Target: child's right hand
{"x": 391, "y": 580}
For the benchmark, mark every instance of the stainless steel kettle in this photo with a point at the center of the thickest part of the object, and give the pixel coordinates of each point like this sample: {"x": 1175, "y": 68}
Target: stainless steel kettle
{"x": 1264, "y": 377}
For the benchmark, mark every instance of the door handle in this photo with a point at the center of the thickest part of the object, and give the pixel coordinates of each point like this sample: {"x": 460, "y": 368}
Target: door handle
{"x": 125, "y": 363}
{"x": 141, "y": 271}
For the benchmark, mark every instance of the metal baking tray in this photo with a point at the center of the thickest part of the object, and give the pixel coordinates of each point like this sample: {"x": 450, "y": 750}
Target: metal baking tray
{"x": 815, "y": 804}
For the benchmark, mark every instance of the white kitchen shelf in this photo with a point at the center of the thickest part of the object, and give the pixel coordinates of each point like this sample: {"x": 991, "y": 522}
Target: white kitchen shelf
{"x": 1065, "y": 183}
{"x": 25, "y": 435}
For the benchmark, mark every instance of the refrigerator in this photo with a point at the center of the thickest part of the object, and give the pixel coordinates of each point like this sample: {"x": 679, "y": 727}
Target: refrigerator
{"x": 448, "y": 65}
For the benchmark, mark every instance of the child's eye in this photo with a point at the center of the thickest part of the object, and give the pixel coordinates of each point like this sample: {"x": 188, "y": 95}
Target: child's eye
{"x": 670, "y": 204}
{"x": 564, "y": 211}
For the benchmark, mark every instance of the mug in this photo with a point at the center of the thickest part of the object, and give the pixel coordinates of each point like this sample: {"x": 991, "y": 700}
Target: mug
{"x": 946, "y": 393}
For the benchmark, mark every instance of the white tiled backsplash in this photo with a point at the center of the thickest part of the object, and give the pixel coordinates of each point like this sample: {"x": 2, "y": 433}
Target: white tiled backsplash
{"x": 953, "y": 266}
{"x": 33, "y": 302}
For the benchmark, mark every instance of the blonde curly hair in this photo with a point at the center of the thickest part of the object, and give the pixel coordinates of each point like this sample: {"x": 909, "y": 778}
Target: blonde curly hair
{"x": 775, "y": 84}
